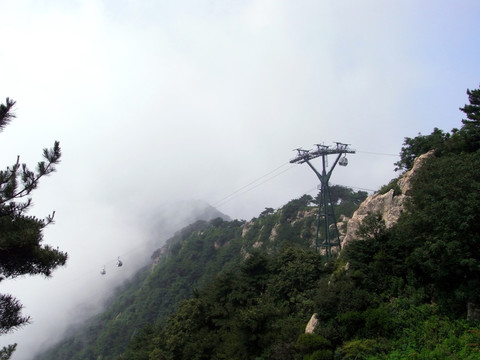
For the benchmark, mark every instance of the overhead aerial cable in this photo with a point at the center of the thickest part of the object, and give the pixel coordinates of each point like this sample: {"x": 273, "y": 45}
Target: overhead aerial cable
{"x": 252, "y": 185}
{"x": 302, "y": 156}
{"x": 377, "y": 153}
{"x": 343, "y": 161}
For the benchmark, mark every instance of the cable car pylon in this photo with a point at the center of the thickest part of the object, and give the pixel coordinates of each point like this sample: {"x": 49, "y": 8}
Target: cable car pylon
{"x": 325, "y": 206}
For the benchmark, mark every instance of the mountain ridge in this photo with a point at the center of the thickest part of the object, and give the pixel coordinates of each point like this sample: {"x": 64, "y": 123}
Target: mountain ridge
{"x": 246, "y": 290}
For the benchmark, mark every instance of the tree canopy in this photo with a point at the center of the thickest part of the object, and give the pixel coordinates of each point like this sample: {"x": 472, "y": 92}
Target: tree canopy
{"x": 467, "y": 139}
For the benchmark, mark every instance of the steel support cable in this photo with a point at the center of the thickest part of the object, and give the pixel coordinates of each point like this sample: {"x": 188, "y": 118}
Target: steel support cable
{"x": 235, "y": 194}
{"x": 347, "y": 186}
{"x": 246, "y": 188}
{"x": 221, "y": 202}
{"x": 249, "y": 184}
{"x": 377, "y": 153}
{"x": 239, "y": 192}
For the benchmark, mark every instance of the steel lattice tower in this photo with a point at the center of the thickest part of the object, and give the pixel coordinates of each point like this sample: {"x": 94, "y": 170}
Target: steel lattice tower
{"x": 325, "y": 206}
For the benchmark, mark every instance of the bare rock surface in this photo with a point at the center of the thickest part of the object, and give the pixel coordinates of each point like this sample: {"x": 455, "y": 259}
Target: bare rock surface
{"x": 312, "y": 324}
{"x": 389, "y": 205}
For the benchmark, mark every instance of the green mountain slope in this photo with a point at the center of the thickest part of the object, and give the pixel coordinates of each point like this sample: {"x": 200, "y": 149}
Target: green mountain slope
{"x": 236, "y": 290}
{"x": 406, "y": 292}
{"x": 189, "y": 262}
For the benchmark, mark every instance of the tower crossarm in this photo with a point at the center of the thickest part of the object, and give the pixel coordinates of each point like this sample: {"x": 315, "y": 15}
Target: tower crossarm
{"x": 340, "y": 148}
{"x": 302, "y": 156}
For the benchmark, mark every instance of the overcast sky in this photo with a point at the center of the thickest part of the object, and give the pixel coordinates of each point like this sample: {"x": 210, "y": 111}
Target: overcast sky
{"x": 156, "y": 102}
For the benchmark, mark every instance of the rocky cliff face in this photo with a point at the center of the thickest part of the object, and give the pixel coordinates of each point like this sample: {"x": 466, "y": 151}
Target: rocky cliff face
{"x": 389, "y": 204}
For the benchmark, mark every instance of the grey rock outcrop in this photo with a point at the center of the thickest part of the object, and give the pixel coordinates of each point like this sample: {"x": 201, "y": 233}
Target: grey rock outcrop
{"x": 389, "y": 205}
{"x": 312, "y": 324}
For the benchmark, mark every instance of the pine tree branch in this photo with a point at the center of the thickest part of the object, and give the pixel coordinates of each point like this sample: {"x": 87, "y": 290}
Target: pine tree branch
{"x": 10, "y": 317}
{"x": 7, "y": 351}
{"x": 29, "y": 178}
{"x": 5, "y": 113}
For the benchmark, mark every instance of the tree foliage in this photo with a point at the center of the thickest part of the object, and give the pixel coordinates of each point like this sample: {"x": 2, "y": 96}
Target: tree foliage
{"x": 445, "y": 199}
{"x": 264, "y": 268}
{"x": 21, "y": 248}
{"x": 7, "y": 351}
{"x": 467, "y": 139}
{"x": 471, "y": 125}
{"x": 421, "y": 144}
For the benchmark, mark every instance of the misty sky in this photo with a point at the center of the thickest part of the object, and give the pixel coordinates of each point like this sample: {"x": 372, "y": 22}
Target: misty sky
{"x": 156, "y": 102}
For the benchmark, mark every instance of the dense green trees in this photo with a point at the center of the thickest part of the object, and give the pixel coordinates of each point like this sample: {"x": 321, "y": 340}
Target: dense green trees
{"x": 21, "y": 248}
{"x": 467, "y": 139}
{"x": 421, "y": 144}
{"x": 444, "y": 203}
{"x": 445, "y": 199}
{"x": 345, "y": 200}
{"x": 471, "y": 125}
{"x": 208, "y": 258}
{"x": 257, "y": 310}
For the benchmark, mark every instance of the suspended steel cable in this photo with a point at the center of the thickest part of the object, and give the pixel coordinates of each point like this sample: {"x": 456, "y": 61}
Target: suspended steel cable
{"x": 377, "y": 153}
{"x": 249, "y": 187}
{"x": 246, "y": 188}
{"x": 239, "y": 191}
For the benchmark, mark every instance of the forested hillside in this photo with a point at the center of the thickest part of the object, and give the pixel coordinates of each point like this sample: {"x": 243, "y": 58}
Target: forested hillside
{"x": 237, "y": 290}
{"x": 187, "y": 264}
